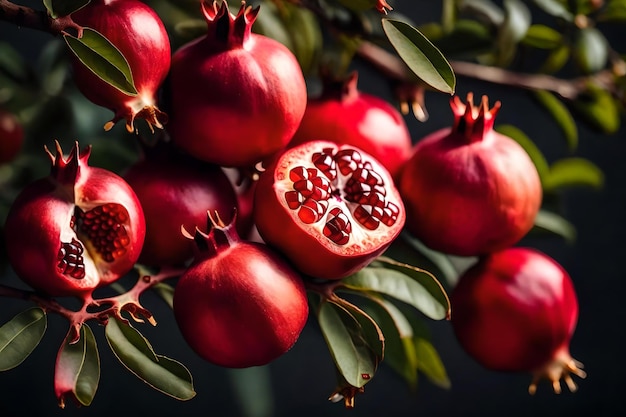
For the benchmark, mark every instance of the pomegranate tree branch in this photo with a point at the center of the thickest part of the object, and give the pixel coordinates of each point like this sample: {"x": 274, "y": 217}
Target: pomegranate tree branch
{"x": 36, "y": 19}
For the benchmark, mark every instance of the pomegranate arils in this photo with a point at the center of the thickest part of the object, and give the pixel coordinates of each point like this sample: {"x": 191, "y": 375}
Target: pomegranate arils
{"x": 325, "y": 163}
{"x": 338, "y": 227}
{"x": 104, "y": 227}
{"x": 70, "y": 259}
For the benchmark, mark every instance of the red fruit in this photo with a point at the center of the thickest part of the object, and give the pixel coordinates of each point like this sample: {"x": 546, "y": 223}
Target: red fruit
{"x": 516, "y": 311}
{"x": 176, "y": 190}
{"x": 470, "y": 190}
{"x": 331, "y": 209}
{"x": 239, "y": 304}
{"x": 139, "y": 34}
{"x": 11, "y": 136}
{"x": 236, "y": 97}
{"x": 344, "y": 115}
{"x": 78, "y": 228}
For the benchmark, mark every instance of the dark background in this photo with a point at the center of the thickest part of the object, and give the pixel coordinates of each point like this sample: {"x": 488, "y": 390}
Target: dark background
{"x": 302, "y": 379}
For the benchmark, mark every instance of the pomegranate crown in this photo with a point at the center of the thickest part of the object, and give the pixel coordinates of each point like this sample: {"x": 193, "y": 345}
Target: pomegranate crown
{"x": 219, "y": 235}
{"x": 231, "y": 30}
{"x": 473, "y": 122}
{"x": 64, "y": 170}
{"x": 340, "y": 88}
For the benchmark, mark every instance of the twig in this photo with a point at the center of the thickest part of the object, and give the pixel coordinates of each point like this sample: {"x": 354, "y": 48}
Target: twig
{"x": 36, "y": 19}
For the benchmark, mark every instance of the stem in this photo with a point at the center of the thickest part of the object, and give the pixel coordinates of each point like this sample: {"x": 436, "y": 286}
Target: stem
{"x": 23, "y": 16}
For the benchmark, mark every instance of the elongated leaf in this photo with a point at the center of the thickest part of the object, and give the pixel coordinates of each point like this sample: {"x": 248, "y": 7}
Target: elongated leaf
{"x": 543, "y": 37}
{"x": 614, "y": 11}
{"x": 166, "y": 292}
{"x": 20, "y": 336}
{"x": 136, "y": 354}
{"x": 352, "y": 355}
{"x": 556, "y": 59}
{"x": 12, "y": 63}
{"x": 555, "y": 8}
{"x": 598, "y": 108}
{"x": 529, "y": 146}
{"x": 574, "y": 172}
{"x": 103, "y": 59}
{"x": 400, "y": 350}
{"x": 372, "y": 334}
{"x": 555, "y": 223}
{"x": 420, "y": 55}
{"x": 562, "y": 115}
{"x": 77, "y": 369}
{"x": 484, "y": 9}
{"x": 515, "y": 25}
{"x": 591, "y": 50}
{"x": 60, "y": 8}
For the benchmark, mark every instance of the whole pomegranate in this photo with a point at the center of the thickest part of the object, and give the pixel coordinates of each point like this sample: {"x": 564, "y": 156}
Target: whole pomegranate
{"x": 515, "y": 310}
{"x": 77, "y": 229}
{"x": 236, "y": 97}
{"x": 468, "y": 189}
{"x": 239, "y": 304}
{"x": 139, "y": 34}
{"x": 345, "y": 115}
{"x": 11, "y": 136}
{"x": 176, "y": 190}
{"x": 331, "y": 209}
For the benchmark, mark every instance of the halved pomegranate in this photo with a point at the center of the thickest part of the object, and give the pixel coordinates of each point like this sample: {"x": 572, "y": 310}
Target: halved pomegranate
{"x": 330, "y": 209}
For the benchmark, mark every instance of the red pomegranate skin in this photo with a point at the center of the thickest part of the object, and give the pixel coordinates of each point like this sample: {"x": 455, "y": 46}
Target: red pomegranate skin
{"x": 468, "y": 189}
{"x": 176, "y": 190}
{"x": 516, "y": 310}
{"x": 345, "y": 115}
{"x": 11, "y": 136}
{"x": 239, "y": 304}
{"x": 236, "y": 97}
{"x": 140, "y": 35}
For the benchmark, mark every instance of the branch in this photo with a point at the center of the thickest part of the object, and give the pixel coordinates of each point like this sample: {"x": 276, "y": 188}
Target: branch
{"x": 23, "y": 16}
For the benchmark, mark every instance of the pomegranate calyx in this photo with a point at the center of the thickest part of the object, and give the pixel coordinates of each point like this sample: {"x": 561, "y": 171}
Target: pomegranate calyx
{"x": 67, "y": 170}
{"x": 344, "y": 89}
{"x": 562, "y": 367}
{"x": 224, "y": 27}
{"x": 473, "y": 122}
{"x": 219, "y": 237}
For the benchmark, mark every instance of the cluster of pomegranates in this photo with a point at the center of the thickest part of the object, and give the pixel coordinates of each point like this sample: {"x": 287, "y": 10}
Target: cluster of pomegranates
{"x": 340, "y": 179}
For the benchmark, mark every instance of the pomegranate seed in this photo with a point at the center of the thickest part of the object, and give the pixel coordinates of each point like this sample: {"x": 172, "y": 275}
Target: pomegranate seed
{"x": 104, "y": 227}
{"x": 294, "y": 199}
{"x": 70, "y": 259}
{"x": 363, "y": 214}
{"x": 298, "y": 173}
{"x": 325, "y": 163}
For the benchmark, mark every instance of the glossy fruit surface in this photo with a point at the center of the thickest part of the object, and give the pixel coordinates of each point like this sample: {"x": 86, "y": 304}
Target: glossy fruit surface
{"x": 11, "y": 136}
{"x": 78, "y": 228}
{"x": 516, "y": 310}
{"x": 236, "y": 97}
{"x": 331, "y": 209}
{"x": 139, "y": 34}
{"x": 239, "y": 304}
{"x": 176, "y": 190}
{"x": 344, "y": 115}
{"x": 468, "y": 189}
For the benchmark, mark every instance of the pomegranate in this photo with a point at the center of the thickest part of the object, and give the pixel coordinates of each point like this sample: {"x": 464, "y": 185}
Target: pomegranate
{"x": 331, "y": 209}
{"x": 176, "y": 190}
{"x": 11, "y": 136}
{"x": 345, "y": 115}
{"x": 236, "y": 97}
{"x": 515, "y": 310}
{"x": 239, "y": 304}
{"x": 468, "y": 189}
{"x": 139, "y": 34}
{"x": 79, "y": 228}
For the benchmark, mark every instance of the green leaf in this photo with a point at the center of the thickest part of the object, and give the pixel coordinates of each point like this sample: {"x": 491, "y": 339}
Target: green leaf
{"x": 370, "y": 331}
{"x": 166, "y": 292}
{"x": 20, "y": 336}
{"x": 574, "y": 172}
{"x": 555, "y": 8}
{"x": 252, "y": 388}
{"x": 352, "y": 355}
{"x": 103, "y": 59}
{"x": 468, "y": 38}
{"x": 562, "y": 115}
{"x": 359, "y": 5}
{"x": 420, "y": 55}
{"x": 556, "y": 60}
{"x": 591, "y": 50}
{"x": 136, "y": 354}
{"x": 403, "y": 282}
{"x": 77, "y": 369}
{"x": 543, "y": 37}
{"x": 516, "y": 22}
{"x": 556, "y": 224}
{"x": 614, "y": 11}
{"x": 598, "y": 108}
{"x": 399, "y": 348}
{"x": 60, "y": 8}
{"x": 12, "y": 63}
{"x": 529, "y": 146}
{"x": 486, "y": 10}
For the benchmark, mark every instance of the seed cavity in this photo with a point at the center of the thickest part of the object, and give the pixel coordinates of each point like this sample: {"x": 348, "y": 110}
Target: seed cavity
{"x": 70, "y": 260}
{"x": 104, "y": 226}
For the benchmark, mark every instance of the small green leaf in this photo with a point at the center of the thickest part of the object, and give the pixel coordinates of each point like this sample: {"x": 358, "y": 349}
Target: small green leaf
{"x": 614, "y": 11}
{"x": 556, "y": 224}
{"x": 591, "y": 50}
{"x": 516, "y": 22}
{"x": 529, "y": 146}
{"x": 60, "y": 8}
{"x": 103, "y": 59}
{"x": 429, "y": 362}
{"x": 543, "y": 37}
{"x": 372, "y": 334}
{"x": 484, "y": 9}
{"x": 555, "y": 8}
{"x": 166, "y": 292}
{"x": 556, "y": 59}
{"x": 20, "y": 336}
{"x": 136, "y": 354}
{"x": 598, "y": 108}
{"x": 420, "y": 55}
{"x": 406, "y": 283}
{"x": 574, "y": 172}
{"x": 77, "y": 369}
{"x": 12, "y": 63}
{"x": 352, "y": 355}
{"x": 562, "y": 115}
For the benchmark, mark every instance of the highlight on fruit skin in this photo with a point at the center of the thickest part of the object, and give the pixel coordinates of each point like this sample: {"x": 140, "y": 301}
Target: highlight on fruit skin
{"x": 516, "y": 310}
